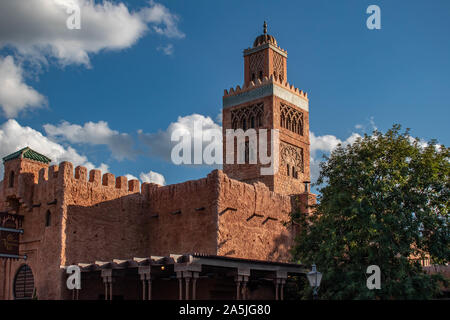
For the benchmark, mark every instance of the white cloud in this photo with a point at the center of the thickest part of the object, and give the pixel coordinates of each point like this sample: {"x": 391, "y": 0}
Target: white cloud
{"x": 131, "y": 177}
{"x": 168, "y": 50}
{"x": 152, "y": 177}
{"x": 120, "y": 144}
{"x": 14, "y": 137}
{"x": 219, "y": 117}
{"x": 15, "y": 94}
{"x": 37, "y": 29}
{"x": 422, "y": 143}
{"x": 164, "y": 22}
{"x": 372, "y": 124}
{"x": 327, "y": 143}
{"x": 160, "y": 143}
{"x": 368, "y": 126}
{"x": 324, "y": 145}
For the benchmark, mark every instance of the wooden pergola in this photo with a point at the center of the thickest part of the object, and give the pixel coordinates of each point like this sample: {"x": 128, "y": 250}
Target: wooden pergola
{"x": 188, "y": 269}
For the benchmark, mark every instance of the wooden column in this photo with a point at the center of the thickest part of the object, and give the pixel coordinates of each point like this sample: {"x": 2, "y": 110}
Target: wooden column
{"x": 187, "y": 271}
{"x": 143, "y": 289}
{"x": 180, "y": 285}
{"x": 145, "y": 275}
{"x": 241, "y": 280}
{"x": 149, "y": 286}
{"x": 244, "y": 287}
{"x": 107, "y": 280}
{"x": 194, "y": 285}
{"x": 187, "y": 278}
{"x": 75, "y": 293}
{"x": 280, "y": 280}
{"x": 276, "y": 289}
{"x": 238, "y": 289}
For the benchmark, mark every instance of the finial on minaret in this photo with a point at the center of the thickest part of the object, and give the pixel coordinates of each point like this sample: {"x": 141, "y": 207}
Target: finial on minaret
{"x": 265, "y": 27}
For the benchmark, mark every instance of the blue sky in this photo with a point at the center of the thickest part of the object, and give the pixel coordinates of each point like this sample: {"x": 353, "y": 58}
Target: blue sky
{"x": 356, "y": 78}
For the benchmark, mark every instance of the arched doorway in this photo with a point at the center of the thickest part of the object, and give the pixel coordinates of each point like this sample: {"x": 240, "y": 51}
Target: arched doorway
{"x": 24, "y": 283}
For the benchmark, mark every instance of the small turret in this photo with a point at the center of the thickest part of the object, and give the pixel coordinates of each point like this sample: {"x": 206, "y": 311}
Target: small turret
{"x": 25, "y": 160}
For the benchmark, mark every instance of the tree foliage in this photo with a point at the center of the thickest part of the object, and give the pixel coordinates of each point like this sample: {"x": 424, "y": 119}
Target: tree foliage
{"x": 384, "y": 201}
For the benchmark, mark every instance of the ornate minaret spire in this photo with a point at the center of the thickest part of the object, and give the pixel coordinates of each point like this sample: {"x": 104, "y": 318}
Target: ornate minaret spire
{"x": 268, "y": 101}
{"x": 264, "y": 59}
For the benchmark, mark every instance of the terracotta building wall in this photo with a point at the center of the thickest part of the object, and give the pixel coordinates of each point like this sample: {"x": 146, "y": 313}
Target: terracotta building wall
{"x": 251, "y": 221}
{"x": 90, "y": 219}
{"x": 99, "y": 217}
{"x": 39, "y": 242}
{"x": 183, "y": 216}
{"x": 104, "y": 217}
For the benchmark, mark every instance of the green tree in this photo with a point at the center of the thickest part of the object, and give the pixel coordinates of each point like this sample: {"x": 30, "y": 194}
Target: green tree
{"x": 383, "y": 200}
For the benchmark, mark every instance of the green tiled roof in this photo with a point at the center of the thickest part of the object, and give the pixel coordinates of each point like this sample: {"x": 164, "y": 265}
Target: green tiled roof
{"x": 28, "y": 154}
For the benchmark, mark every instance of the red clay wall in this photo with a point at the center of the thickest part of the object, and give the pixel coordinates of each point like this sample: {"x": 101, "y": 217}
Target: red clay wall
{"x": 251, "y": 221}
{"x": 40, "y": 243}
{"x": 104, "y": 218}
{"x": 184, "y": 216}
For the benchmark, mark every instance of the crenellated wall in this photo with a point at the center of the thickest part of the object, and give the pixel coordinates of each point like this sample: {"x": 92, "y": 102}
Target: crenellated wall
{"x": 95, "y": 217}
{"x": 91, "y": 217}
{"x": 103, "y": 216}
{"x": 266, "y": 80}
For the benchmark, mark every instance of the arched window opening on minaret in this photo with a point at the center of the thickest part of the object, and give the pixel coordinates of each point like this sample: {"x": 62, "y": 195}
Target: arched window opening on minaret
{"x": 288, "y": 170}
{"x": 235, "y": 125}
{"x": 11, "y": 179}
{"x": 260, "y": 75}
{"x": 294, "y": 126}
{"x": 252, "y": 122}
{"x": 291, "y": 119}
{"x": 247, "y": 152}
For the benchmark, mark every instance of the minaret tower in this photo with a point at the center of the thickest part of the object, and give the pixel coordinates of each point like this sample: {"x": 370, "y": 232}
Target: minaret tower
{"x": 267, "y": 101}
